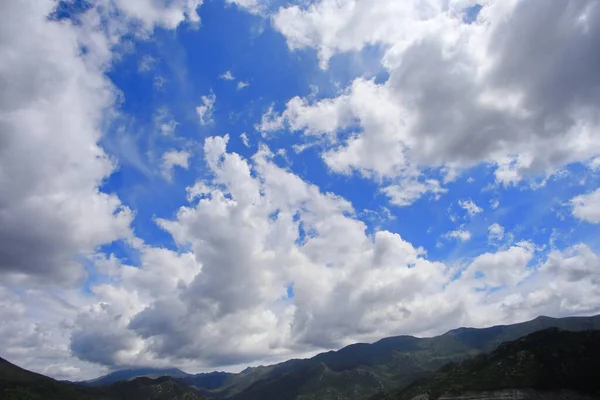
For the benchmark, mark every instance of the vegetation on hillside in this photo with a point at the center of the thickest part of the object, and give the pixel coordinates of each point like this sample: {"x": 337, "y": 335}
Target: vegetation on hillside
{"x": 19, "y": 384}
{"x": 547, "y": 360}
{"x": 355, "y": 372}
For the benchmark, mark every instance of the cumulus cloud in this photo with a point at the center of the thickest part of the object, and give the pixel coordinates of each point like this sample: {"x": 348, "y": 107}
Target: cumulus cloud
{"x": 494, "y": 204}
{"x": 270, "y": 229}
{"x": 221, "y": 297}
{"x": 228, "y": 76}
{"x": 405, "y": 192}
{"x": 245, "y": 139}
{"x": 253, "y": 6}
{"x": 459, "y": 234}
{"x": 481, "y": 99}
{"x": 41, "y": 343}
{"x": 205, "y": 109}
{"x": 54, "y": 104}
{"x": 174, "y": 158}
{"x": 51, "y": 108}
{"x": 242, "y": 84}
{"x": 470, "y": 207}
{"x": 147, "y": 63}
{"x": 166, "y": 13}
{"x": 496, "y": 232}
{"x": 507, "y": 267}
{"x": 587, "y": 207}
{"x": 164, "y": 122}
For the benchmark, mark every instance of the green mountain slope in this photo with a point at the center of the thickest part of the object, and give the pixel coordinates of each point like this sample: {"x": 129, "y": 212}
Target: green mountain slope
{"x": 19, "y": 384}
{"x": 129, "y": 374}
{"x": 355, "y": 372}
{"x": 548, "y": 360}
{"x": 362, "y": 370}
{"x": 164, "y": 388}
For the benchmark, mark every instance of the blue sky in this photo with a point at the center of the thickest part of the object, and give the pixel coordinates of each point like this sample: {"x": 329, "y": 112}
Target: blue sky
{"x": 191, "y": 62}
{"x": 215, "y": 184}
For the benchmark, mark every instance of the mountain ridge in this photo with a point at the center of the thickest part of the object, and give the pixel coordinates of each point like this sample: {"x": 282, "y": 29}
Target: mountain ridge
{"x": 354, "y": 372}
{"x": 546, "y": 361}
{"x": 132, "y": 373}
{"x": 359, "y": 370}
{"x": 594, "y": 320}
{"x": 17, "y": 383}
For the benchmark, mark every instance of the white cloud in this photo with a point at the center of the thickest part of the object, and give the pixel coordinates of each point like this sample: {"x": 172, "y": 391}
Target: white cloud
{"x": 228, "y": 76}
{"x": 51, "y": 107}
{"x": 494, "y": 204}
{"x": 496, "y": 232}
{"x": 205, "y": 109}
{"x": 147, "y": 63}
{"x": 459, "y": 234}
{"x": 166, "y": 13}
{"x": 576, "y": 264}
{"x": 253, "y": 6}
{"x": 406, "y": 192}
{"x": 507, "y": 267}
{"x": 270, "y": 122}
{"x": 339, "y": 26}
{"x": 587, "y": 207}
{"x": 35, "y": 331}
{"x": 173, "y": 158}
{"x": 255, "y": 249}
{"x": 164, "y": 122}
{"x": 53, "y": 216}
{"x": 245, "y": 139}
{"x": 222, "y": 298}
{"x": 470, "y": 207}
{"x": 481, "y": 98}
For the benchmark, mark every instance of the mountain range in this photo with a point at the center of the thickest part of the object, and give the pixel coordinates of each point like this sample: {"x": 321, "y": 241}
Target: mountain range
{"x": 551, "y": 361}
{"x": 19, "y": 384}
{"x": 356, "y": 372}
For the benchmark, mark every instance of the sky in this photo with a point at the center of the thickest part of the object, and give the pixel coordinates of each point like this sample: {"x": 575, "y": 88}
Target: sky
{"x": 212, "y": 184}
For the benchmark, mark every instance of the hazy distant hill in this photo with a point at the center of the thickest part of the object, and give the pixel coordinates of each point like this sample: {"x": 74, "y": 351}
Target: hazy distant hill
{"x": 355, "y": 372}
{"x": 165, "y": 388}
{"x": 548, "y": 361}
{"x": 129, "y": 374}
{"x": 19, "y": 384}
{"x": 361, "y": 370}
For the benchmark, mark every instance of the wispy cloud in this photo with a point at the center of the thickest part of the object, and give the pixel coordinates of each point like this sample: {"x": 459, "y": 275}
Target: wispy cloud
{"x": 171, "y": 159}
{"x": 459, "y": 234}
{"x": 228, "y": 76}
{"x": 470, "y": 207}
{"x": 205, "y": 110}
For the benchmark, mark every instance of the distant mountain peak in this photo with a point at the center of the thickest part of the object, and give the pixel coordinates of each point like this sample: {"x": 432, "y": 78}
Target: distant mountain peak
{"x": 132, "y": 373}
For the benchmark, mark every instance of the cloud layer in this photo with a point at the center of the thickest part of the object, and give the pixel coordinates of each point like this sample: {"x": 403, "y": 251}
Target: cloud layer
{"x": 226, "y": 299}
{"x": 259, "y": 263}
{"x": 499, "y": 90}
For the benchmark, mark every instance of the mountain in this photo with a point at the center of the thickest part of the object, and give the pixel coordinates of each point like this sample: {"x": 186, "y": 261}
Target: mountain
{"x": 357, "y": 371}
{"x": 164, "y": 388}
{"x": 547, "y": 362}
{"x": 362, "y": 370}
{"x": 129, "y": 374}
{"x": 19, "y": 384}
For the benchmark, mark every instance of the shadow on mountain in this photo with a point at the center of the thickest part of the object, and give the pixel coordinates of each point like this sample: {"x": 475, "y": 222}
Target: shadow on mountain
{"x": 552, "y": 363}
